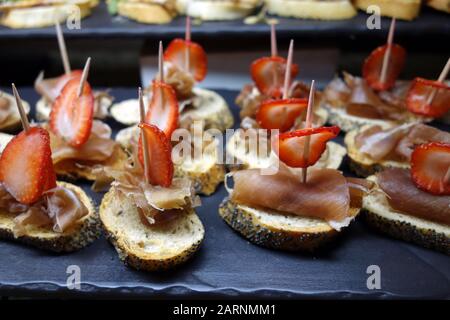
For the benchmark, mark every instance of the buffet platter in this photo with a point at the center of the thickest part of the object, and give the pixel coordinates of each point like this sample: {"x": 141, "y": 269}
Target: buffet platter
{"x": 228, "y": 266}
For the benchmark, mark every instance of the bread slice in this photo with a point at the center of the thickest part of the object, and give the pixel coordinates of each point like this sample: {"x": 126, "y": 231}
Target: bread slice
{"x": 277, "y": 230}
{"x": 84, "y": 232}
{"x": 361, "y": 163}
{"x": 40, "y": 16}
{"x": 13, "y": 121}
{"x": 443, "y": 5}
{"x": 152, "y": 12}
{"x": 401, "y": 9}
{"x": 206, "y": 173}
{"x": 146, "y": 247}
{"x": 312, "y": 9}
{"x": 210, "y": 10}
{"x": 378, "y": 213}
{"x": 213, "y": 111}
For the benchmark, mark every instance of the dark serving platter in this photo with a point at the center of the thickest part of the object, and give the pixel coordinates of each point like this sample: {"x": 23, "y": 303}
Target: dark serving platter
{"x": 102, "y": 25}
{"x": 229, "y": 266}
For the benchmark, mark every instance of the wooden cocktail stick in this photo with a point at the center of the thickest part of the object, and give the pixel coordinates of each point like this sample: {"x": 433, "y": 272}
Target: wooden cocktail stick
{"x": 23, "y": 115}
{"x": 84, "y": 76}
{"x": 160, "y": 62}
{"x": 387, "y": 55}
{"x": 143, "y": 136}
{"x": 62, "y": 49}
{"x": 273, "y": 40}
{"x": 442, "y": 77}
{"x": 187, "y": 38}
{"x": 309, "y": 115}
{"x": 287, "y": 75}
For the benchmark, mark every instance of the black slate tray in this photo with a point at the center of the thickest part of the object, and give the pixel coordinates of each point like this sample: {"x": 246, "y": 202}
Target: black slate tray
{"x": 229, "y": 266}
{"x": 102, "y": 25}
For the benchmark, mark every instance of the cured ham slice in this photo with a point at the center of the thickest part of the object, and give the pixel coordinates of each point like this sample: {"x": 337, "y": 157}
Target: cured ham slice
{"x": 406, "y": 198}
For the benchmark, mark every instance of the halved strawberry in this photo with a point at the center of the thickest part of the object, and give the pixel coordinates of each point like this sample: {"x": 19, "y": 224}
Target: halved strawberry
{"x": 198, "y": 62}
{"x": 290, "y": 146}
{"x": 160, "y": 171}
{"x": 280, "y": 114}
{"x": 268, "y": 75}
{"x": 163, "y": 109}
{"x": 373, "y": 64}
{"x": 63, "y": 79}
{"x": 71, "y": 116}
{"x": 418, "y": 99}
{"x": 430, "y": 167}
{"x": 26, "y": 168}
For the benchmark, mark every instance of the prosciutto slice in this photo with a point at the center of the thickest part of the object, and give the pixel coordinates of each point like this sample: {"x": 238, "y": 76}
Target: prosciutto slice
{"x": 326, "y": 194}
{"x": 405, "y": 197}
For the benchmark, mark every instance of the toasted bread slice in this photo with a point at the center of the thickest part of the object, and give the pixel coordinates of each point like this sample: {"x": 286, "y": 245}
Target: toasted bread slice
{"x": 152, "y": 12}
{"x": 277, "y": 230}
{"x": 209, "y": 10}
{"x": 84, "y": 232}
{"x": 212, "y": 110}
{"x": 145, "y": 247}
{"x": 312, "y": 9}
{"x": 13, "y": 121}
{"x": 443, "y": 5}
{"x": 401, "y": 9}
{"x": 40, "y": 16}
{"x": 361, "y": 163}
{"x": 379, "y": 214}
{"x": 206, "y": 172}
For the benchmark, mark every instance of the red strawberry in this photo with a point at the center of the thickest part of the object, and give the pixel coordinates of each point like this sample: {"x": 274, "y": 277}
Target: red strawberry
{"x": 280, "y": 114}
{"x": 417, "y": 99}
{"x": 198, "y": 62}
{"x": 290, "y": 145}
{"x": 71, "y": 116}
{"x": 62, "y": 80}
{"x": 163, "y": 108}
{"x": 374, "y": 62}
{"x": 160, "y": 171}
{"x": 268, "y": 75}
{"x": 26, "y": 168}
{"x": 430, "y": 167}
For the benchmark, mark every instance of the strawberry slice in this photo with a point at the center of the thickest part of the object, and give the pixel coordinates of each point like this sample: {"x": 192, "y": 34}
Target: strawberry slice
{"x": 163, "y": 109}
{"x": 430, "y": 167}
{"x": 374, "y": 62}
{"x": 26, "y": 168}
{"x": 71, "y": 116}
{"x": 280, "y": 114}
{"x": 268, "y": 75}
{"x": 290, "y": 146}
{"x": 177, "y": 51}
{"x": 62, "y": 80}
{"x": 418, "y": 98}
{"x": 160, "y": 172}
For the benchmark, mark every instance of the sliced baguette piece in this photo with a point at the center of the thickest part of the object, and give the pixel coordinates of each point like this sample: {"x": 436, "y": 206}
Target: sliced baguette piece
{"x": 213, "y": 111}
{"x": 13, "y": 121}
{"x": 44, "y": 15}
{"x": 443, "y": 5}
{"x": 151, "y": 12}
{"x": 277, "y": 230}
{"x": 149, "y": 248}
{"x": 378, "y": 213}
{"x": 83, "y": 233}
{"x": 400, "y": 9}
{"x": 361, "y": 163}
{"x": 211, "y": 10}
{"x": 206, "y": 173}
{"x": 312, "y": 9}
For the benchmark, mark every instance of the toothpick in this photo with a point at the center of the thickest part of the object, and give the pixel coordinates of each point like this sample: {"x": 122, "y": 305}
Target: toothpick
{"x": 309, "y": 115}
{"x": 273, "y": 40}
{"x": 441, "y": 78}
{"x": 23, "y": 115}
{"x": 160, "y": 62}
{"x": 287, "y": 75}
{"x": 143, "y": 136}
{"x": 84, "y": 76}
{"x": 387, "y": 55}
{"x": 62, "y": 49}
{"x": 187, "y": 38}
